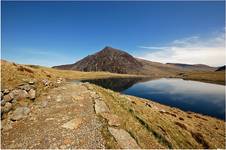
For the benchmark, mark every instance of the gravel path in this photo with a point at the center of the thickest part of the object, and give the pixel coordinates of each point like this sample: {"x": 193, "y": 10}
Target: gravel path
{"x": 63, "y": 118}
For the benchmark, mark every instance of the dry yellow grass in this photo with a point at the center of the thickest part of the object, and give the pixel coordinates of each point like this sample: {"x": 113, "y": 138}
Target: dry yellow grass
{"x": 158, "y": 126}
{"x": 13, "y": 74}
{"x": 211, "y": 77}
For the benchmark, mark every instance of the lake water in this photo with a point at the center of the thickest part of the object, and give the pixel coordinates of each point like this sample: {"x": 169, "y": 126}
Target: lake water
{"x": 204, "y": 98}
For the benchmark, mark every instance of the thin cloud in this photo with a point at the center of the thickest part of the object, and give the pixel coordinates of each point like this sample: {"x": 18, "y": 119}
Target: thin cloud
{"x": 41, "y": 57}
{"x": 190, "y": 50}
{"x": 153, "y": 47}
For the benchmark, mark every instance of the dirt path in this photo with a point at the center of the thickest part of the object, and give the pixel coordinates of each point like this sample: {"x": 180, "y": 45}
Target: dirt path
{"x": 63, "y": 118}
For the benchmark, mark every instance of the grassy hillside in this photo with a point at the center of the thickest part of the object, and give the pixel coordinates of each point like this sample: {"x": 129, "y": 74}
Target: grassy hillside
{"x": 153, "y": 125}
{"x": 14, "y": 74}
{"x": 204, "y": 76}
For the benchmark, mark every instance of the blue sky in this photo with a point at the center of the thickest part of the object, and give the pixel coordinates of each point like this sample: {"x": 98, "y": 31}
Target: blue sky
{"x": 53, "y": 33}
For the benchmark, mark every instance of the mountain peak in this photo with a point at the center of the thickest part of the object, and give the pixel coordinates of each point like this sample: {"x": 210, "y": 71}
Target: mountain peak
{"x": 110, "y": 51}
{"x": 109, "y": 59}
{"x": 107, "y": 47}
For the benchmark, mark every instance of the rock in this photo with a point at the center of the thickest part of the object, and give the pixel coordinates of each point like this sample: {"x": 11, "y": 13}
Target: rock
{"x": 73, "y": 124}
{"x": 123, "y": 138}
{"x": 94, "y": 95}
{"x": 113, "y": 120}
{"x": 19, "y": 94}
{"x": 9, "y": 97}
{"x": 6, "y": 91}
{"x": 48, "y": 97}
{"x": 2, "y": 95}
{"x": 59, "y": 98}
{"x": 32, "y": 94}
{"x": 20, "y": 113}
{"x": 14, "y": 101}
{"x": 25, "y": 87}
{"x": 45, "y": 82}
{"x": 7, "y": 107}
{"x": 59, "y": 80}
{"x": 162, "y": 111}
{"x": 100, "y": 107}
{"x": 3, "y": 102}
{"x": 31, "y": 82}
{"x": 44, "y": 104}
{"x": 90, "y": 87}
{"x": 6, "y": 124}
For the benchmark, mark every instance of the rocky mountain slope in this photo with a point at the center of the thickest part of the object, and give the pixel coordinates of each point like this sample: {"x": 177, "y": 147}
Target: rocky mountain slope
{"x": 117, "y": 61}
{"x": 108, "y": 59}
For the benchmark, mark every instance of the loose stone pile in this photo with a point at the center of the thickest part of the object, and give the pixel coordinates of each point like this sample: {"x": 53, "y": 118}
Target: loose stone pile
{"x": 10, "y": 111}
{"x": 9, "y": 97}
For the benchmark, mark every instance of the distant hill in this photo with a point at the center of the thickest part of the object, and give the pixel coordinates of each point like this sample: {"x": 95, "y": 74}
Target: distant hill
{"x": 108, "y": 59}
{"x": 200, "y": 67}
{"x": 221, "y": 68}
{"x": 117, "y": 61}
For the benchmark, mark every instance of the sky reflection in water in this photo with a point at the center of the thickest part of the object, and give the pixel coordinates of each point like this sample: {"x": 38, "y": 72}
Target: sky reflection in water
{"x": 193, "y": 96}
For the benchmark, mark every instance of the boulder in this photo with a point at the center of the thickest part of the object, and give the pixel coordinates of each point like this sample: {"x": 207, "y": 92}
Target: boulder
{"x": 113, "y": 120}
{"x": 20, "y": 113}
{"x": 20, "y": 94}
{"x": 45, "y": 82}
{"x": 3, "y": 102}
{"x": 101, "y": 107}
{"x": 72, "y": 124}
{"x": 7, "y": 107}
{"x": 25, "y": 87}
{"x": 9, "y": 97}
{"x": 6, "y": 91}
{"x": 32, "y": 94}
{"x": 6, "y": 124}
{"x": 123, "y": 138}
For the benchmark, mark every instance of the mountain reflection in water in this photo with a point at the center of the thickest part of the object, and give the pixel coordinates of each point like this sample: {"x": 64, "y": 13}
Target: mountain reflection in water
{"x": 116, "y": 84}
{"x": 204, "y": 98}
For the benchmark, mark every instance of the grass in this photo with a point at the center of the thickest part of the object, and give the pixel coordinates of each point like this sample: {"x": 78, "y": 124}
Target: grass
{"x": 210, "y": 77}
{"x": 14, "y": 74}
{"x": 153, "y": 129}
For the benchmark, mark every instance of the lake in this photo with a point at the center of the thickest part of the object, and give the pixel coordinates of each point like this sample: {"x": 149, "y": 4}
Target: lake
{"x": 204, "y": 98}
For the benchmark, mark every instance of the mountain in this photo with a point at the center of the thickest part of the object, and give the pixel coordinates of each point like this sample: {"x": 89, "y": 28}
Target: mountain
{"x": 222, "y": 68}
{"x": 117, "y": 61}
{"x": 108, "y": 59}
{"x": 200, "y": 67}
